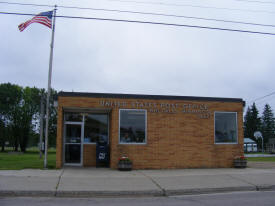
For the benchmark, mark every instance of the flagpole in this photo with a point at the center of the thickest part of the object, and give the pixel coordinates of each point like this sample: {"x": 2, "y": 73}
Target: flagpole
{"x": 49, "y": 90}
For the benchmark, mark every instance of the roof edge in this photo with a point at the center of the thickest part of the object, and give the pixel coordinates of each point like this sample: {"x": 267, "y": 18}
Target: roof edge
{"x": 146, "y": 96}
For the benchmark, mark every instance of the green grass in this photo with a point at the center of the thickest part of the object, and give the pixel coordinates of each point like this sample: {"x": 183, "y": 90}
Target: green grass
{"x": 256, "y": 153}
{"x": 28, "y": 160}
{"x": 261, "y": 159}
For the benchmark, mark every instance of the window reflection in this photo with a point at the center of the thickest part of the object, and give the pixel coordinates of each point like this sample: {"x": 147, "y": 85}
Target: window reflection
{"x": 73, "y": 117}
{"x": 96, "y": 128}
{"x": 225, "y": 127}
{"x": 132, "y": 126}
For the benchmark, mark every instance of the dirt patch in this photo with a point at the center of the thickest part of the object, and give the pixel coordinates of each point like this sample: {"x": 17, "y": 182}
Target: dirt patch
{"x": 262, "y": 165}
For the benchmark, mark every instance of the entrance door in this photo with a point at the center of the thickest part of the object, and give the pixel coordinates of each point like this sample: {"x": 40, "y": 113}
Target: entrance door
{"x": 81, "y": 130}
{"x": 73, "y": 144}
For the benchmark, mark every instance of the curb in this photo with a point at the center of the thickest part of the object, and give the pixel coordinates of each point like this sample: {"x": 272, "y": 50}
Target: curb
{"x": 19, "y": 193}
{"x": 265, "y": 188}
{"x": 149, "y": 193}
{"x": 197, "y": 191}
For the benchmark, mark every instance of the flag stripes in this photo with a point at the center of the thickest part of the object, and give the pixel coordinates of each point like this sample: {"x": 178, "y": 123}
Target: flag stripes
{"x": 44, "y": 18}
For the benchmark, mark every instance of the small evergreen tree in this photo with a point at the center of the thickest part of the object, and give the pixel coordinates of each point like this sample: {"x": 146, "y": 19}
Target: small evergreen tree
{"x": 252, "y": 122}
{"x": 247, "y": 118}
{"x": 268, "y": 124}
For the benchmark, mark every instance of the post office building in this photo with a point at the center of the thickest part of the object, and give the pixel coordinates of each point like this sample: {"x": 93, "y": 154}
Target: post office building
{"x": 154, "y": 131}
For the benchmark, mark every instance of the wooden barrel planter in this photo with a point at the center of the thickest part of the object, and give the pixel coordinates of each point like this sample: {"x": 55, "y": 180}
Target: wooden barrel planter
{"x": 240, "y": 163}
{"x": 124, "y": 165}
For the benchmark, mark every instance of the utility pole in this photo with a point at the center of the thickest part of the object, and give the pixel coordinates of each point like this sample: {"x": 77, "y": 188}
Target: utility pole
{"x": 49, "y": 92}
{"x": 41, "y": 125}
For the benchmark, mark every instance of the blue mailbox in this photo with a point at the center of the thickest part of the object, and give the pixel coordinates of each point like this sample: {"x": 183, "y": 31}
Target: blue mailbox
{"x": 102, "y": 154}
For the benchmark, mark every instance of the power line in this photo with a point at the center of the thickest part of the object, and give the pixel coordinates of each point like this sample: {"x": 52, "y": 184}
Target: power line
{"x": 161, "y": 3}
{"x": 26, "y": 4}
{"x": 263, "y": 103}
{"x": 153, "y": 23}
{"x": 151, "y": 13}
{"x": 194, "y": 6}
{"x": 169, "y": 15}
{"x": 263, "y": 96}
{"x": 260, "y": 2}
{"x": 249, "y": 1}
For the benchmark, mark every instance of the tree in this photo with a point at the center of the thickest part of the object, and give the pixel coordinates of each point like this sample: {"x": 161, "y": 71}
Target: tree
{"x": 252, "y": 122}
{"x": 2, "y": 134}
{"x": 268, "y": 124}
{"x": 27, "y": 113}
{"x": 52, "y": 120}
{"x": 10, "y": 98}
{"x": 247, "y": 121}
{"x": 52, "y": 117}
{"x": 19, "y": 115}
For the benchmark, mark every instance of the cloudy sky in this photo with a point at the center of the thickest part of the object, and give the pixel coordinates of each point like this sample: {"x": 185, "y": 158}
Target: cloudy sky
{"x": 118, "y": 57}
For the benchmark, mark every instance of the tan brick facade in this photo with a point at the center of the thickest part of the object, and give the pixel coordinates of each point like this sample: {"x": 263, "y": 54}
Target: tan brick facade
{"x": 175, "y": 139}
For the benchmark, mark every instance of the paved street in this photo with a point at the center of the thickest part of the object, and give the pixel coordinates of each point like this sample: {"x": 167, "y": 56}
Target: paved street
{"x": 224, "y": 199}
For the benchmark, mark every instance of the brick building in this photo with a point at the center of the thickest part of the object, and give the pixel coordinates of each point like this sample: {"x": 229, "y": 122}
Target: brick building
{"x": 154, "y": 131}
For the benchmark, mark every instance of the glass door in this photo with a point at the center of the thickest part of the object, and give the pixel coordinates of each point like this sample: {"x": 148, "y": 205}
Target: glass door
{"x": 73, "y": 143}
{"x": 81, "y": 129}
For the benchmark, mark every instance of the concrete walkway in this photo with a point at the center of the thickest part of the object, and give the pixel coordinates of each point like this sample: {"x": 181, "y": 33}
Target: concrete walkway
{"x": 98, "y": 182}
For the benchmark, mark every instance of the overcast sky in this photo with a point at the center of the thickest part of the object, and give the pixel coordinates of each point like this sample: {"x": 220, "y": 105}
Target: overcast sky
{"x": 117, "y": 57}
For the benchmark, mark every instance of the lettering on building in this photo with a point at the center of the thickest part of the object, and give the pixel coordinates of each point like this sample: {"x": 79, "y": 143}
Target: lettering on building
{"x": 200, "y": 110}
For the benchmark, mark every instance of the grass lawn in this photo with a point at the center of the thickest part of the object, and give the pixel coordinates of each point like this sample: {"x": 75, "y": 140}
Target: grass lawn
{"x": 261, "y": 159}
{"x": 28, "y": 160}
{"x": 256, "y": 153}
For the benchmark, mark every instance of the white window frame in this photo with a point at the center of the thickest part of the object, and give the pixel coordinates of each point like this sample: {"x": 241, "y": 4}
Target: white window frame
{"x": 237, "y": 130}
{"x": 132, "y": 143}
{"x": 81, "y": 142}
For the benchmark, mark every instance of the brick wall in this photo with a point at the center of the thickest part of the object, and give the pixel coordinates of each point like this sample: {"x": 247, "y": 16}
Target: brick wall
{"x": 89, "y": 154}
{"x": 174, "y": 140}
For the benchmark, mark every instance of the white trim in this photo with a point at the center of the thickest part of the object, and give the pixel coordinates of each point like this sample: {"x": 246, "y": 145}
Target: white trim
{"x": 237, "y": 131}
{"x": 80, "y": 143}
{"x": 71, "y": 122}
{"x": 134, "y": 143}
{"x": 73, "y": 143}
{"x": 67, "y": 122}
{"x": 72, "y": 164}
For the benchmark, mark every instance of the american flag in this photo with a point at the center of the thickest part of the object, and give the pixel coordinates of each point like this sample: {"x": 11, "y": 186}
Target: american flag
{"x": 44, "y": 18}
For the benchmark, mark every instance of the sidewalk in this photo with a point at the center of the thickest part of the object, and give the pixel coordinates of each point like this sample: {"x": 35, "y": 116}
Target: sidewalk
{"x": 98, "y": 182}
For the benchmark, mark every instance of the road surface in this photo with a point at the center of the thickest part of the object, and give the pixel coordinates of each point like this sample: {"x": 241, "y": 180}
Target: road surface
{"x": 266, "y": 198}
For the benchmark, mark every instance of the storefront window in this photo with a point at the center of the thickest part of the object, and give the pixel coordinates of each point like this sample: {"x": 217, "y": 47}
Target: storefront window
{"x": 73, "y": 117}
{"x": 96, "y": 128}
{"x": 226, "y": 127}
{"x": 132, "y": 126}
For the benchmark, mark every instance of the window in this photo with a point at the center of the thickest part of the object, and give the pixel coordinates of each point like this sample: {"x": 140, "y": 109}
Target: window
{"x": 226, "y": 127}
{"x": 73, "y": 117}
{"x": 96, "y": 128}
{"x": 132, "y": 126}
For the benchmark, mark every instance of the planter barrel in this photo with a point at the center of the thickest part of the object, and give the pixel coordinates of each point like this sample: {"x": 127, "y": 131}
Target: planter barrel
{"x": 239, "y": 163}
{"x": 124, "y": 166}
